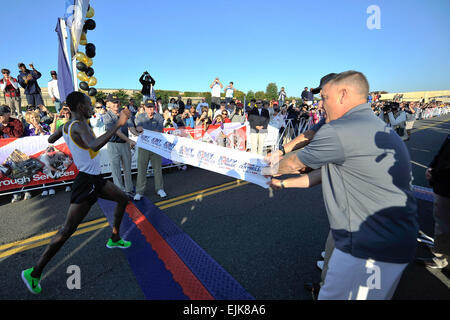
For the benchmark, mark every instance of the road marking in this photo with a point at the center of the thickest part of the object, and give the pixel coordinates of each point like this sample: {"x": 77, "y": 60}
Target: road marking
{"x": 201, "y": 195}
{"x": 24, "y": 245}
{"x": 45, "y": 235}
{"x": 418, "y": 164}
{"x": 47, "y": 241}
{"x": 431, "y": 125}
{"x": 197, "y": 192}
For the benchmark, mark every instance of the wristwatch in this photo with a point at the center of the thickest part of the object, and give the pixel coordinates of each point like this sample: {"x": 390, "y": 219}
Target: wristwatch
{"x": 282, "y": 150}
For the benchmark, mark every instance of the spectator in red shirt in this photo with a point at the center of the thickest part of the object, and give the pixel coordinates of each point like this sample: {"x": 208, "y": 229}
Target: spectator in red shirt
{"x": 9, "y": 127}
{"x": 10, "y": 87}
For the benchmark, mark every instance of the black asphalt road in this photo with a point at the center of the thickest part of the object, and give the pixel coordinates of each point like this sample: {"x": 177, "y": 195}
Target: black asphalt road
{"x": 268, "y": 242}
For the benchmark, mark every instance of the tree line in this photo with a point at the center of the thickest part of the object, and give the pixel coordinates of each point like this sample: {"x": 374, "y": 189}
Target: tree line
{"x": 271, "y": 93}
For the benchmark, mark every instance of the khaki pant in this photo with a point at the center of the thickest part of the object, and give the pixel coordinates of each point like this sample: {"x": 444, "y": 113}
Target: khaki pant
{"x": 144, "y": 156}
{"x": 351, "y": 278}
{"x": 257, "y": 141}
{"x": 120, "y": 154}
{"x": 14, "y": 104}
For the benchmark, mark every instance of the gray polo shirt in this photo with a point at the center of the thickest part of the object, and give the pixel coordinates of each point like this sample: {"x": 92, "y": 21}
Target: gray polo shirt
{"x": 366, "y": 184}
{"x": 110, "y": 119}
{"x": 154, "y": 124}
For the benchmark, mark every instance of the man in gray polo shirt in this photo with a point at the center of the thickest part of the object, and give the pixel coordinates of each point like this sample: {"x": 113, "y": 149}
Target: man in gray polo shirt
{"x": 119, "y": 147}
{"x": 366, "y": 183}
{"x": 149, "y": 120}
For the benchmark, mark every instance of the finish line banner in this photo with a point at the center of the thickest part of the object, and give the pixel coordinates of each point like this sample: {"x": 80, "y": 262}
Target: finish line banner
{"x": 233, "y": 163}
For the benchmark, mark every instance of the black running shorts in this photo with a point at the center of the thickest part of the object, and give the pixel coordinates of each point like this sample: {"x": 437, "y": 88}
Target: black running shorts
{"x": 86, "y": 187}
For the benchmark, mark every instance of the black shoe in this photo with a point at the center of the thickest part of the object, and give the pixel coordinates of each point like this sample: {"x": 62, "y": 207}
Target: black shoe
{"x": 432, "y": 263}
{"x": 313, "y": 288}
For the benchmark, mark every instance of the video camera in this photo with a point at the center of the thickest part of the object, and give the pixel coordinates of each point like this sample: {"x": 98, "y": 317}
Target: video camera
{"x": 391, "y": 107}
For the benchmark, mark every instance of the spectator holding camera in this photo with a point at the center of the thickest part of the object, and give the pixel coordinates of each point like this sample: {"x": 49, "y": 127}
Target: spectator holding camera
{"x": 216, "y": 86}
{"x": 148, "y": 83}
{"x": 282, "y": 97}
{"x": 398, "y": 122}
{"x": 188, "y": 119}
{"x": 9, "y": 126}
{"x": 28, "y": 81}
{"x": 168, "y": 119}
{"x": 59, "y": 119}
{"x": 11, "y": 90}
{"x": 45, "y": 115}
{"x": 34, "y": 126}
{"x": 229, "y": 93}
{"x": 411, "y": 112}
{"x": 203, "y": 117}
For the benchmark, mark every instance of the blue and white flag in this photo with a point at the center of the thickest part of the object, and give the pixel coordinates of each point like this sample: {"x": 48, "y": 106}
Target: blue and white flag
{"x": 152, "y": 93}
{"x": 65, "y": 82}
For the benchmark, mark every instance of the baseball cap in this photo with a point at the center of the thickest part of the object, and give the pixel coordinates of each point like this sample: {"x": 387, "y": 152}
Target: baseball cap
{"x": 21, "y": 64}
{"x": 323, "y": 82}
{"x": 149, "y": 103}
{"x": 112, "y": 98}
{"x": 4, "y": 109}
{"x": 53, "y": 72}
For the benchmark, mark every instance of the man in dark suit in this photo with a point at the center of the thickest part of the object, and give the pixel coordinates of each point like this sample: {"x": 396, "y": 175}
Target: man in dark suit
{"x": 259, "y": 120}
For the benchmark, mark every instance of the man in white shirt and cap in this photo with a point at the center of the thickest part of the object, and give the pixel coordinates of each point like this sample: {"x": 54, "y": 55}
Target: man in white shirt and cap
{"x": 53, "y": 91}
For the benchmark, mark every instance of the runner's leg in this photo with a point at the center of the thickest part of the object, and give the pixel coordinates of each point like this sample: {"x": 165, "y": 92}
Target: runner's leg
{"x": 77, "y": 212}
{"x": 111, "y": 192}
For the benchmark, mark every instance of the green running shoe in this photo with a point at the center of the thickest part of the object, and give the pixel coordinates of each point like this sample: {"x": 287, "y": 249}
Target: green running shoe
{"x": 122, "y": 244}
{"x": 31, "y": 282}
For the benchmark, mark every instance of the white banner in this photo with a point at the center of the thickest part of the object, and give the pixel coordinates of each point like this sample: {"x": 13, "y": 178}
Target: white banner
{"x": 234, "y": 163}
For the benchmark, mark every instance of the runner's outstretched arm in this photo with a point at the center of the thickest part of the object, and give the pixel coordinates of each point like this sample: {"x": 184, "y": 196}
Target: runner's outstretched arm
{"x": 96, "y": 144}
{"x": 56, "y": 135}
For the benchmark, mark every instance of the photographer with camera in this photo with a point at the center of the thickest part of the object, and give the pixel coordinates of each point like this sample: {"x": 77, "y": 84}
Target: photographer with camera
{"x": 168, "y": 119}
{"x": 28, "y": 80}
{"x": 216, "y": 86}
{"x": 148, "y": 83}
{"x": 394, "y": 114}
{"x": 411, "y": 113}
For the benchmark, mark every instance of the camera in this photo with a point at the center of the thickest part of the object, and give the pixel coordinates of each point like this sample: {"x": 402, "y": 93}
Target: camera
{"x": 391, "y": 107}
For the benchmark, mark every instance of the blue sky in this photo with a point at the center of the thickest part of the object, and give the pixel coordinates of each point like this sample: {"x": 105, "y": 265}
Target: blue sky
{"x": 186, "y": 44}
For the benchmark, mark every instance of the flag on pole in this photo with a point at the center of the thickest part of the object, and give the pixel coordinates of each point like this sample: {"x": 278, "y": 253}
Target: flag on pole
{"x": 152, "y": 93}
{"x": 65, "y": 83}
